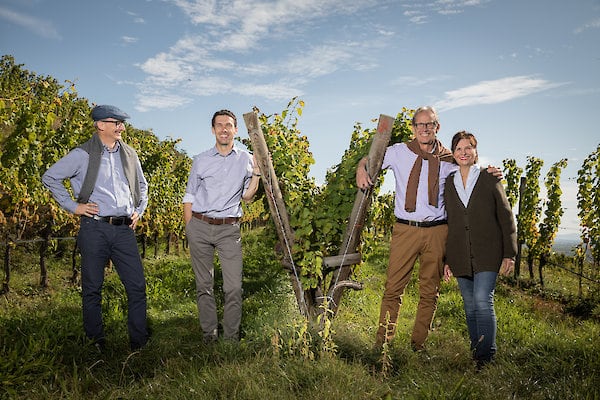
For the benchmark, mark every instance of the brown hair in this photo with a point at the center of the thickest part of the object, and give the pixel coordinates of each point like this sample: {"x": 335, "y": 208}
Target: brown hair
{"x": 458, "y": 136}
{"x": 224, "y": 112}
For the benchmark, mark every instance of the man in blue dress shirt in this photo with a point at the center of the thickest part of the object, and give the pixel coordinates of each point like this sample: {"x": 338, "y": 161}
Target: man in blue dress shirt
{"x": 111, "y": 194}
{"x": 219, "y": 179}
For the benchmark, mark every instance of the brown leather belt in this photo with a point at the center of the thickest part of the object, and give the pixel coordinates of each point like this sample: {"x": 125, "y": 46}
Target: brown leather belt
{"x": 216, "y": 221}
{"x": 422, "y": 224}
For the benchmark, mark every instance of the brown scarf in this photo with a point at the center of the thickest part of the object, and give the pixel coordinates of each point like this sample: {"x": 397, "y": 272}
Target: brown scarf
{"x": 440, "y": 153}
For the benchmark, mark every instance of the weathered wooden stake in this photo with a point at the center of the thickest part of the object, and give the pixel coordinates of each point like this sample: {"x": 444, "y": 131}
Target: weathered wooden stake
{"x": 276, "y": 204}
{"x": 359, "y": 211}
{"x": 5, "y": 283}
{"x": 342, "y": 263}
{"x": 43, "y": 267}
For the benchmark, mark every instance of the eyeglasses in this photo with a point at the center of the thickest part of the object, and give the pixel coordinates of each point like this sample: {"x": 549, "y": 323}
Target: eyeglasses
{"x": 117, "y": 123}
{"x": 428, "y": 125}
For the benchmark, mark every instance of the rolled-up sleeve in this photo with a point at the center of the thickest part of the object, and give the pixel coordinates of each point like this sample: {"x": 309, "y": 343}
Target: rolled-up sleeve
{"x": 192, "y": 183}
{"x": 73, "y": 167}
{"x": 141, "y": 207}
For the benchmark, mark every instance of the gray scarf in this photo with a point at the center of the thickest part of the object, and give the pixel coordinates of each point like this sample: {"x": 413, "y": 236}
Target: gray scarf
{"x": 95, "y": 148}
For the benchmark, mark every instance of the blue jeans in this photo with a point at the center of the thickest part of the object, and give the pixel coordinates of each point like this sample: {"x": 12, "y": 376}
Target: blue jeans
{"x": 478, "y": 298}
{"x": 99, "y": 242}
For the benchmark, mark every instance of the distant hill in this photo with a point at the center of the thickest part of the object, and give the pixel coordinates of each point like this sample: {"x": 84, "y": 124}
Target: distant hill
{"x": 565, "y": 245}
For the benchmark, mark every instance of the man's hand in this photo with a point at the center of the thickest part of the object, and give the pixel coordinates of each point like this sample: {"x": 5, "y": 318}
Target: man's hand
{"x": 495, "y": 171}
{"x": 88, "y": 209}
{"x": 256, "y": 167}
{"x": 363, "y": 180}
{"x": 135, "y": 217}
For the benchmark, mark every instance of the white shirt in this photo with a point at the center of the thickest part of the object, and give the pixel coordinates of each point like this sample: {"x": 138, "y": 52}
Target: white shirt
{"x": 464, "y": 192}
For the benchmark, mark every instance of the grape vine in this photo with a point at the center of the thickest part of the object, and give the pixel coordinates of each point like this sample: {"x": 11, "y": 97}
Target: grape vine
{"x": 41, "y": 120}
{"x": 588, "y": 202}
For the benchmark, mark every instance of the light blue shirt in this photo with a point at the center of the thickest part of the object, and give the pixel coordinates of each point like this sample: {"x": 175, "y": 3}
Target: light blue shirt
{"x": 111, "y": 192}
{"x": 216, "y": 182}
{"x": 400, "y": 159}
{"x": 464, "y": 192}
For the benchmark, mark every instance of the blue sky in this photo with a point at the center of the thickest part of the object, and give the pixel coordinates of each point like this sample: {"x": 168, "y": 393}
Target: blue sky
{"x": 523, "y": 75}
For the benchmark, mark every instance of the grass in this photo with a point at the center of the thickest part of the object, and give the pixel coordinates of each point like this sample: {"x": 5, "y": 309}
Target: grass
{"x": 543, "y": 352}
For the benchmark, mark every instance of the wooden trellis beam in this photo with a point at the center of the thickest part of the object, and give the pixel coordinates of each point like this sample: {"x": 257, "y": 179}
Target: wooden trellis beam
{"x": 347, "y": 256}
{"x": 362, "y": 202}
{"x": 276, "y": 204}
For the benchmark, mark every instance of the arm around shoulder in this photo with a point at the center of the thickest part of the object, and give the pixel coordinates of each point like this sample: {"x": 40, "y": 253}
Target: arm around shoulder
{"x": 495, "y": 171}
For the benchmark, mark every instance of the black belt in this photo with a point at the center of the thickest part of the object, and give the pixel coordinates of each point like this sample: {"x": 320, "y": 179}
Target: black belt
{"x": 422, "y": 224}
{"x": 114, "y": 220}
{"x": 215, "y": 221}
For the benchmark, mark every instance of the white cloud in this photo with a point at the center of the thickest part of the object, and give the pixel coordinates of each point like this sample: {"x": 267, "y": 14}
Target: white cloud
{"x": 496, "y": 91}
{"x": 38, "y": 26}
{"x": 166, "y": 70}
{"x": 595, "y": 24}
{"x": 151, "y": 101}
{"x": 136, "y": 18}
{"x": 262, "y": 14}
{"x": 318, "y": 61}
{"x": 192, "y": 71}
{"x": 419, "y": 12}
{"x": 273, "y": 91}
{"x": 129, "y": 39}
{"x": 210, "y": 85}
{"x": 416, "y": 17}
{"x": 418, "y": 81}
{"x": 385, "y": 32}
{"x": 239, "y": 25}
{"x": 216, "y": 59}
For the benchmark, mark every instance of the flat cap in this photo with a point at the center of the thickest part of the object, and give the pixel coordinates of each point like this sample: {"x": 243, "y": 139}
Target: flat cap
{"x": 106, "y": 111}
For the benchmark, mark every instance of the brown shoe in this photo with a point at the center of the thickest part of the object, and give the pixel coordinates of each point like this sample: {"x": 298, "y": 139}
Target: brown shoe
{"x": 417, "y": 347}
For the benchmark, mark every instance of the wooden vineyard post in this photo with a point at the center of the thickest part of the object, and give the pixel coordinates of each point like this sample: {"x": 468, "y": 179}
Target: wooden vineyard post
{"x": 517, "y": 271}
{"x": 276, "y": 204}
{"x": 359, "y": 211}
{"x": 6, "y": 282}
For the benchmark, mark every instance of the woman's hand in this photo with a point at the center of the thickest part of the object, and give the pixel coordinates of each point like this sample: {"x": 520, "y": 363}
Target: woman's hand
{"x": 507, "y": 267}
{"x": 447, "y": 273}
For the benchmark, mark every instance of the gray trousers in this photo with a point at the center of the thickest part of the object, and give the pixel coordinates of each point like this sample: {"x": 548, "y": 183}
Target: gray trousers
{"x": 203, "y": 240}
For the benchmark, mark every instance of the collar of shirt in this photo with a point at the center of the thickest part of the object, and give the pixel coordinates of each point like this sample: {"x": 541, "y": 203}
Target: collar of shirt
{"x": 464, "y": 192}
{"x": 114, "y": 149}
{"x": 215, "y": 152}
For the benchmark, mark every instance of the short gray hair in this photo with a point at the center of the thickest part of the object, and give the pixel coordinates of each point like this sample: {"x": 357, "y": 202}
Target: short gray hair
{"x": 423, "y": 109}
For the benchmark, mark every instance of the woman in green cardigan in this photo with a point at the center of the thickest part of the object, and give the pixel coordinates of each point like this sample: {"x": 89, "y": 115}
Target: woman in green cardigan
{"x": 482, "y": 242}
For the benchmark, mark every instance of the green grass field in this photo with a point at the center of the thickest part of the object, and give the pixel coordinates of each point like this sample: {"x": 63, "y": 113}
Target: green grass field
{"x": 543, "y": 353}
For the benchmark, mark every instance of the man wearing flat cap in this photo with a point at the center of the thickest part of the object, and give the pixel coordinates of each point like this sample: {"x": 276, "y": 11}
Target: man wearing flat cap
{"x": 111, "y": 193}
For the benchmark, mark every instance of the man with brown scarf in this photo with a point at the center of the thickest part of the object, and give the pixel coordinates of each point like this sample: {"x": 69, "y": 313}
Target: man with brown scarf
{"x": 420, "y": 169}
